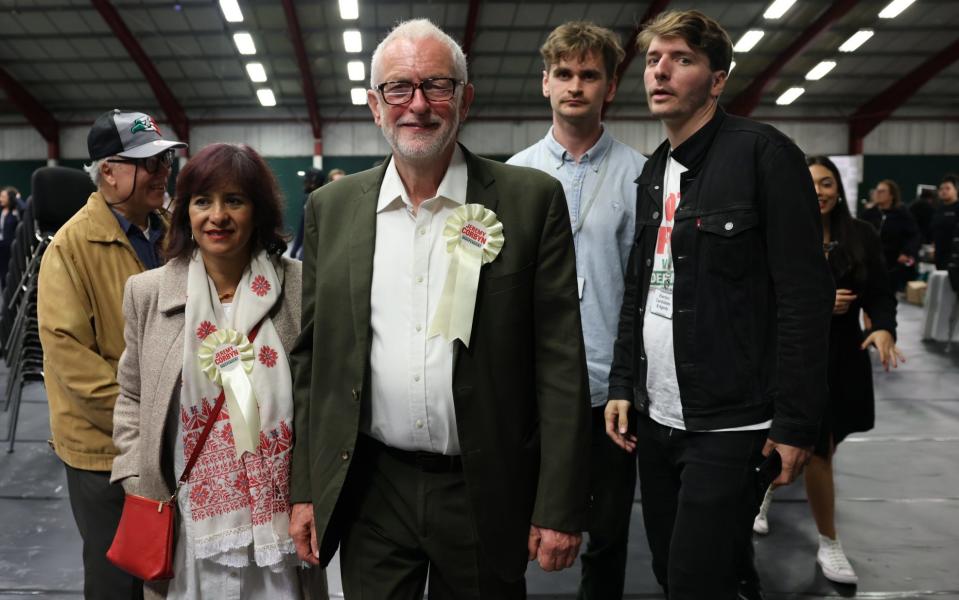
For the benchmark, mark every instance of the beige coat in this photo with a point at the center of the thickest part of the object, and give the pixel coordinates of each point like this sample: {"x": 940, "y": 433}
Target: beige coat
{"x": 153, "y": 306}
{"x": 81, "y": 329}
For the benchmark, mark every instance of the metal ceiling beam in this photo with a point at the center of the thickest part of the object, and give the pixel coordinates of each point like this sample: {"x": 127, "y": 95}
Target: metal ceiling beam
{"x": 655, "y": 7}
{"x": 306, "y": 75}
{"x": 747, "y": 100}
{"x": 168, "y": 102}
{"x": 868, "y": 116}
{"x": 469, "y": 34}
{"x": 38, "y": 116}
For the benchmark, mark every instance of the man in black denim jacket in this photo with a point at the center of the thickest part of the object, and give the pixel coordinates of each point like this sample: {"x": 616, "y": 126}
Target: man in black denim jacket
{"x": 725, "y": 318}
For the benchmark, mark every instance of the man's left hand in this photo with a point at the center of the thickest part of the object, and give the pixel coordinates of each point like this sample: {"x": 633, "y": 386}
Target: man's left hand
{"x": 794, "y": 459}
{"x": 555, "y": 550}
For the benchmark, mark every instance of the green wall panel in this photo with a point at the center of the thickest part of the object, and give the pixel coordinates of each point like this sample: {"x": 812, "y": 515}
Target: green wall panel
{"x": 906, "y": 170}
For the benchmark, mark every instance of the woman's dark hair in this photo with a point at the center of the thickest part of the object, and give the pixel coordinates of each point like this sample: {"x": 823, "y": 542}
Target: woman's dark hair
{"x": 842, "y": 226}
{"x": 214, "y": 167}
{"x": 893, "y": 191}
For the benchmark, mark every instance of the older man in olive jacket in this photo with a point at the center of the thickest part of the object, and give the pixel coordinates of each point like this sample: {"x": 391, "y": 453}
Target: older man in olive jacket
{"x": 416, "y": 454}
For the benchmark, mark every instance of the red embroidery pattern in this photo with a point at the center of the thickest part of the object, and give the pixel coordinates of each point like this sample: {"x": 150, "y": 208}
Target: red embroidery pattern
{"x": 205, "y": 329}
{"x": 220, "y": 483}
{"x": 268, "y": 356}
{"x": 260, "y": 285}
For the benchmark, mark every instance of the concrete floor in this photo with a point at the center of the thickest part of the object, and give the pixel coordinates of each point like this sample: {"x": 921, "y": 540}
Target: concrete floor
{"x": 897, "y": 502}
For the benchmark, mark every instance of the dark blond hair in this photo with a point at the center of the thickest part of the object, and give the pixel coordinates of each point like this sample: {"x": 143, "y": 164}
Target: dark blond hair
{"x": 699, "y": 31}
{"x": 893, "y": 191}
{"x": 577, "y": 39}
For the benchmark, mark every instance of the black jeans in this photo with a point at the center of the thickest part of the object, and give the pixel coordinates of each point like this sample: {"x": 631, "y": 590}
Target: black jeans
{"x": 700, "y": 494}
{"x": 97, "y": 505}
{"x": 612, "y": 487}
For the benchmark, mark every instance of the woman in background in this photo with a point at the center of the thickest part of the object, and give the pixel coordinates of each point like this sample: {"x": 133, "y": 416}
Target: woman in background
{"x": 898, "y": 232}
{"x": 8, "y": 229}
{"x": 853, "y": 252}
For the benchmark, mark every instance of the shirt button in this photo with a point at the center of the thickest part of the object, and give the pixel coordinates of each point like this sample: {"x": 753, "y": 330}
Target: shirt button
{"x": 419, "y": 327}
{"x": 419, "y": 424}
{"x": 655, "y": 215}
{"x": 345, "y": 455}
{"x": 649, "y": 262}
{"x": 416, "y": 377}
{"x": 422, "y": 230}
{"x": 419, "y": 279}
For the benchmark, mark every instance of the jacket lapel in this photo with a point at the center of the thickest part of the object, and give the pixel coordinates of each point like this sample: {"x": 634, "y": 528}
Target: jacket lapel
{"x": 363, "y": 244}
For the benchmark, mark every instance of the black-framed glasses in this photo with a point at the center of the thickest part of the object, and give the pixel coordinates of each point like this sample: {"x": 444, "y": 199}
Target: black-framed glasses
{"x": 436, "y": 89}
{"x": 152, "y": 164}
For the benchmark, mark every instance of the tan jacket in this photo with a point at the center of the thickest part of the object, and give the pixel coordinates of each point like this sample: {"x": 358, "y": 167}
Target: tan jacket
{"x": 81, "y": 329}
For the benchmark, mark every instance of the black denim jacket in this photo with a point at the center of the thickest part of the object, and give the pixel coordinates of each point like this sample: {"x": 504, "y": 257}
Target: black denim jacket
{"x": 753, "y": 294}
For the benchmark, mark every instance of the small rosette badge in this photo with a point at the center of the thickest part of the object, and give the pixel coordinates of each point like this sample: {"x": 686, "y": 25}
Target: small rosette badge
{"x": 227, "y": 358}
{"x": 474, "y": 237}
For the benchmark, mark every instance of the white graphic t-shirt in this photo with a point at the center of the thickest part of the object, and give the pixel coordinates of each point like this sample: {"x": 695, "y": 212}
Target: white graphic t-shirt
{"x": 661, "y": 382}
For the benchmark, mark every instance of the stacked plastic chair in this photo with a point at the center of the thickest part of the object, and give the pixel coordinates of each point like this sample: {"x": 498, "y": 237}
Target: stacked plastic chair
{"x": 58, "y": 193}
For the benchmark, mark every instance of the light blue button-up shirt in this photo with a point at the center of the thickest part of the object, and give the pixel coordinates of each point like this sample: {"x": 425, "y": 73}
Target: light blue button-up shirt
{"x": 601, "y": 196}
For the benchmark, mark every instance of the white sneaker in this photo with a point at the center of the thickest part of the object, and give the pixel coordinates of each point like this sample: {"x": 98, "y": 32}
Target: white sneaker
{"x": 761, "y": 522}
{"x": 835, "y": 565}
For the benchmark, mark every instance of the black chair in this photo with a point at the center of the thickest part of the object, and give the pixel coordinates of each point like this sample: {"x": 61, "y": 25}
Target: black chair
{"x": 58, "y": 193}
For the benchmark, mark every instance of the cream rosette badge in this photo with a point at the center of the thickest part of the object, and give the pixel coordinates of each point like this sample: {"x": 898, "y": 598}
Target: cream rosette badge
{"x": 474, "y": 237}
{"x": 227, "y": 358}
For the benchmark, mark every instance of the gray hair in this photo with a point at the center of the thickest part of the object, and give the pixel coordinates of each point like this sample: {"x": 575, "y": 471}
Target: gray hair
{"x": 93, "y": 170}
{"x": 415, "y": 30}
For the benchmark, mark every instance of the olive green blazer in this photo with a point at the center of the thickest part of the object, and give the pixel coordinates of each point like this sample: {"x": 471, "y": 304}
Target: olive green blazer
{"x": 520, "y": 390}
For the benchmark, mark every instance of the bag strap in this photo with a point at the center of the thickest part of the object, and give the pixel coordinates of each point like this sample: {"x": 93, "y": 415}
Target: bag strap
{"x": 207, "y": 428}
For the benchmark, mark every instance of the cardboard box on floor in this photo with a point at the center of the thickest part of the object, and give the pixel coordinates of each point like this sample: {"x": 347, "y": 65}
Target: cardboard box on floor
{"x": 916, "y": 292}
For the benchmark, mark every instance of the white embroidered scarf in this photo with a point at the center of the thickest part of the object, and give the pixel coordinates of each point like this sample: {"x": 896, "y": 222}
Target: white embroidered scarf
{"x": 235, "y": 502}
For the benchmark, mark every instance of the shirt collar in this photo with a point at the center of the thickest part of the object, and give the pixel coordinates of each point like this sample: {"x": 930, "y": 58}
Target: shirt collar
{"x": 594, "y": 156}
{"x": 452, "y": 187}
{"x": 692, "y": 152}
{"x": 126, "y": 225}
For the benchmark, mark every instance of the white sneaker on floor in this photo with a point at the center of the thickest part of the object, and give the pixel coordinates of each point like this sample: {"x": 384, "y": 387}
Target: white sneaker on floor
{"x": 835, "y": 565}
{"x": 761, "y": 522}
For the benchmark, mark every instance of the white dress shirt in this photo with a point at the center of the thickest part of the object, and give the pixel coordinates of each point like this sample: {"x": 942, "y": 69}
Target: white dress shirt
{"x": 411, "y": 375}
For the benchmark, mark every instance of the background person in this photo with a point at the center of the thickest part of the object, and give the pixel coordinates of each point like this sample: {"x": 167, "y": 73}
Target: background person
{"x": 898, "y": 233}
{"x": 853, "y": 251}
{"x": 945, "y": 219}
{"x": 225, "y": 273}
{"x": 9, "y": 220}
{"x": 598, "y": 175}
{"x": 79, "y": 298}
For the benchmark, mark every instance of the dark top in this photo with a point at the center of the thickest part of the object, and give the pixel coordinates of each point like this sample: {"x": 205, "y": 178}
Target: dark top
{"x": 851, "y": 404}
{"x": 8, "y": 229}
{"x": 148, "y": 250}
{"x": 944, "y": 222}
{"x": 922, "y": 212}
{"x": 752, "y": 292}
{"x": 898, "y": 234}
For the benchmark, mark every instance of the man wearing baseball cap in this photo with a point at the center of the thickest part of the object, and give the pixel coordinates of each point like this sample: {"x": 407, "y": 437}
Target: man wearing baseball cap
{"x": 79, "y": 307}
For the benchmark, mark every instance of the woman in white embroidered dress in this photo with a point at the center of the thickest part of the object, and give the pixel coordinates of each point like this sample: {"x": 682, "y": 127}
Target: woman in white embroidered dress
{"x": 224, "y": 280}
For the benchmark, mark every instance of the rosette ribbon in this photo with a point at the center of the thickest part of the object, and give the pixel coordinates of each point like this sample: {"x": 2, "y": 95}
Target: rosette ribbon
{"x": 474, "y": 237}
{"x": 227, "y": 357}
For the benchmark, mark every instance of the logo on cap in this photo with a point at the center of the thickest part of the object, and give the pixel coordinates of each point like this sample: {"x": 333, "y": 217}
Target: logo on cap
{"x": 145, "y": 123}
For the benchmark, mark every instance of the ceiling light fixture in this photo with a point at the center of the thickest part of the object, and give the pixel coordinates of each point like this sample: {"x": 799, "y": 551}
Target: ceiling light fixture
{"x": 256, "y": 72}
{"x": 857, "y": 39}
{"x": 819, "y": 71}
{"x": 352, "y": 41}
{"x": 778, "y": 8}
{"x": 790, "y": 95}
{"x": 244, "y": 43}
{"x": 358, "y": 96}
{"x": 349, "y": 10}
{"x": 749, "y": 40}
{"x": 231, "y": 11}
{"x": 894, "y": 8}
{"x": 266, "y": 97}
{"x": 356, "y": 70}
